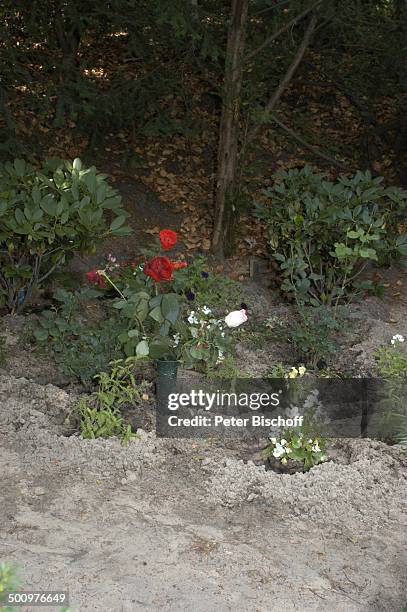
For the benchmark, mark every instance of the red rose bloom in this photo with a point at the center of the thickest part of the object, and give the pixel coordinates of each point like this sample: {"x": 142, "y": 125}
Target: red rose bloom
{"x": 158, "y": 268}
{"x": 168, "y": 238}
{"x": 96, "y": 279}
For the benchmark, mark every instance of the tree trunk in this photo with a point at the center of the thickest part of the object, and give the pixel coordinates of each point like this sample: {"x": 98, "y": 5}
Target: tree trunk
{"x": 286, "y": 80}
{"x": 68, "y": 37}
{"x": 228, "y": 148}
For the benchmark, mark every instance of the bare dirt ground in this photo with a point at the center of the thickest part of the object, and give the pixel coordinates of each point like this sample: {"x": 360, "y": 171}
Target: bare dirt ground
{"x": 186, "y": 525}
{"x": 180, "y": 525}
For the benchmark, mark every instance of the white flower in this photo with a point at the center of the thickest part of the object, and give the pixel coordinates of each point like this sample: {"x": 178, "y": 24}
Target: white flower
{"x": 223, "y": 334}
{"x": 236, "y": 318}
{"x": 397, "y": 338}
{"x": 302, "y": 370}
{"x": 283, "y": 442}
{"x": 177, "y": 338}
{"x": 278, "y": 451}
{"x": 283, "y": 460}
{"x": 310, "y": 441}
{"x": 206, "y": 310}
{"x": 315, "y": 447}
{"x": 193, "y": 319}
{"x": 273, "y": 440}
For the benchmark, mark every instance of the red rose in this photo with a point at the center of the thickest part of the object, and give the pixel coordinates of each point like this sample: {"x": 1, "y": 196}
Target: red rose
{"x": 96, "y": 279}
{"x": 168, "y": 238}
{"x": 158, "y": 268}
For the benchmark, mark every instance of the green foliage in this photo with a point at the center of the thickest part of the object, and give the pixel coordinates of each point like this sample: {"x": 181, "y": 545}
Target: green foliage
{"x": 204, "y": 340}
{"x": 312, "y": 335}
{"x": 278, "y": 370}
{"x": 100, "y": 413}
{"x": 392, "y": 368}
{"x": 392, "y": 362}
{"x": 151, "y": 40}
{"x": 8, "y": 582}
{"x": 323, "y": 234}
{"x": 227, "y": 369}
{"x": 157, "y": 324}
{"x": 46, "y": 216}
{"x": 207, "y": 287}
{"x": 150, "y": 317}
{"x": 81, "y": 349}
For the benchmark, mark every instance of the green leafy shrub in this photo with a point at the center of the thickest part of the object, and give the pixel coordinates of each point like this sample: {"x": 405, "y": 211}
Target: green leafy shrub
{"x": 323, "y": 234}
{"x": 46, "y": 216}
{"x": 101, "y": 413}
{"x": 80, "y": 348}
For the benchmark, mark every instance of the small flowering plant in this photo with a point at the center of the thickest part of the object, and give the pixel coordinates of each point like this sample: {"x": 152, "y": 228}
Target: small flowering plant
{"x": 152, "y": 295}
{"x": 293, "y": 446}
{"x": 205, "y": 339}
{"x": 304, "y": 446}
{"x": 392, "y": 368}
{"x": 147, "y": 299}
{"x": 392, "y": 360}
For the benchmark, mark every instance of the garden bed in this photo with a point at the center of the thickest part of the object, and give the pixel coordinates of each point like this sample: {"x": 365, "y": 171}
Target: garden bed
{"x": 95, "y": 508}
{"x": 135, "y": 518}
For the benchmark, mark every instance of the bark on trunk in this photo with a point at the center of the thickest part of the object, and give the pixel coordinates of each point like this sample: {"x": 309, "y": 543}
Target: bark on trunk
{"x": 228, "y": 148}
{"x": 286, "y": 80}
{"x": 68, "y": 37}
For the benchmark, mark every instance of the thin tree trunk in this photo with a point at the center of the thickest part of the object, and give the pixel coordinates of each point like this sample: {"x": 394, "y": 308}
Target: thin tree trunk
{"x": 68, "y": 37}
{"x": 285, "y": 27}
{"x": 229, "y": 131}
{"x": 311, "y": 147}
{"x": 286, "y": 80}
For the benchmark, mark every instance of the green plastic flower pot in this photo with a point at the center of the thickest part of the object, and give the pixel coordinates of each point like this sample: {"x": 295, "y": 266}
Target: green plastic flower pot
{"x": 167, "y": 369}
{"x": 166, "y": 382}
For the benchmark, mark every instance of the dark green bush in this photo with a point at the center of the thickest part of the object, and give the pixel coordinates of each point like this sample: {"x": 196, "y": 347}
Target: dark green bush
{"x": 46, "y": 216}
{"x": 323, "y": 234}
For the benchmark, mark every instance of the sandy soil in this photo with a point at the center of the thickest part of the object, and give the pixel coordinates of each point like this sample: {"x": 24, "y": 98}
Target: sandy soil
{"x": 186, "y": 526}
